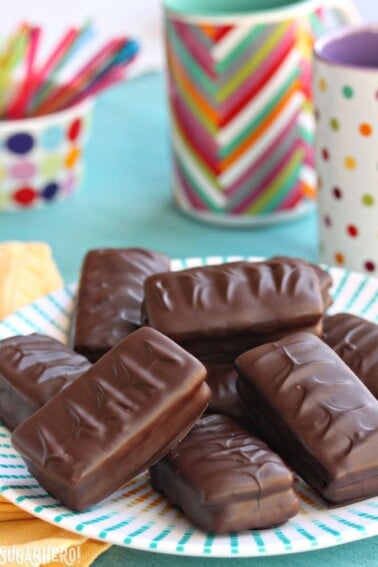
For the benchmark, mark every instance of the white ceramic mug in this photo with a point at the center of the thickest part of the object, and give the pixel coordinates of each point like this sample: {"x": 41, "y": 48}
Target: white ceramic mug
{"x": 346, "y": 107}
{"x": 239, "y": 79}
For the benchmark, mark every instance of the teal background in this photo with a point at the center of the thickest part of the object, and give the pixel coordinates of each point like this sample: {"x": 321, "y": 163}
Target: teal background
{"x": 126, "y": 198}
{"x": 126, "y": 201}
{"x": 357, "y": 554}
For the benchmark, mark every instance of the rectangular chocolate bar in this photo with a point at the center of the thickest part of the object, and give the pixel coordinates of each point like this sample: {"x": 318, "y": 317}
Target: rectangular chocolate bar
{"x": 325, "y": 278}
{"x": 314, "y": 411}
{"x": 115, "y": 420}
{"x": 225, "y": 479}
{"x": 356, "y": 341}
{"x": 33, "y": 368}
{"x": 221, "y": 378}
{"x": 110, "y": 296}
{"x": 217, "y": 312}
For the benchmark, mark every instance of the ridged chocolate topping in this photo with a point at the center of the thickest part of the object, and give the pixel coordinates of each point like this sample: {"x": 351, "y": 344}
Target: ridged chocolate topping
{"x": 315, "y": 413}
{"x": 119, "y": 417}
{"x": 33, "y": 368}
{"x": 110, "y": 296}
{"x": 356, "y": 341}
{"x": 234, "y": 303}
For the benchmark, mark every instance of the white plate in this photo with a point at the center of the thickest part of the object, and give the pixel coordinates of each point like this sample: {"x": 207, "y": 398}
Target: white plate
{"x": 138, "y": 517}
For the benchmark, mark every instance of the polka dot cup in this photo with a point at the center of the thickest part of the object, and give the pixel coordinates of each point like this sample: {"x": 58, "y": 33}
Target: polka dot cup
{"x": 346, "y": 102}
{"x": 41, "y": 159}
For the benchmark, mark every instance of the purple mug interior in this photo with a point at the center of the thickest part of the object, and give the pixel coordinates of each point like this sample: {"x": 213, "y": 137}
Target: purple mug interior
{"x": 351, "y": 47}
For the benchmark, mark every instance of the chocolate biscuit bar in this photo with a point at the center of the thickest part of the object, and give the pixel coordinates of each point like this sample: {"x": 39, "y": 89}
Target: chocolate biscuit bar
{"x": 225, "y": 479}
{"x": 315, "y": 412}
{"x": 356, "y": 341}
{"x": 217, "y": 312}
{"x": 225, "y": 400}
{"x": 33, "y": 368}
{"x": 115, "y": 420}
{"x": 110, "y": 295}
{"x": 325, "y": 278}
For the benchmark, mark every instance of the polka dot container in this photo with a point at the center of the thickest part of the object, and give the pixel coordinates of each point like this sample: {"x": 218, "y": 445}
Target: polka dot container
{"x": 346, "y": 102}
{"x": 41, "y": 159}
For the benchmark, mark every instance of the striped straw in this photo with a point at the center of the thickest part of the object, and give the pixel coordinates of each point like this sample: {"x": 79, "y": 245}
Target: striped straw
{"x": 113, "y": 77}
{"x": 61, "y": 95}
{"x": 38, "y": 93}
{"x": 9, "y": 60}
{"x": 17, "y": 108}
{"x": 70, "y": 44}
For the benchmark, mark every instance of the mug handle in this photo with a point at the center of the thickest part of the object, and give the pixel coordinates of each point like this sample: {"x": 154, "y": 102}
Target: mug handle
{"x": 346, "y": 10}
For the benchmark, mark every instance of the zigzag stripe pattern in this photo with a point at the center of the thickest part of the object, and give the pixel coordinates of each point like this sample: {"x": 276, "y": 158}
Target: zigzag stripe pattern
{"x": 240, "y": 100}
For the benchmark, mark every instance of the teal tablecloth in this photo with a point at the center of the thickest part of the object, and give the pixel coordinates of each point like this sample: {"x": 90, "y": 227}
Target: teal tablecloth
{"x": 126, "y": 201}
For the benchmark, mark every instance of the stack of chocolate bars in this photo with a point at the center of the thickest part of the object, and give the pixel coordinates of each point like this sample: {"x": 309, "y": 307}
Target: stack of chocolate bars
{"x": 216, "y": 378}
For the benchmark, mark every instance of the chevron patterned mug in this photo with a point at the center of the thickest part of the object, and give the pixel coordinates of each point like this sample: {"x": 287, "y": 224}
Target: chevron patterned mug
{"x": 239, "y": 81}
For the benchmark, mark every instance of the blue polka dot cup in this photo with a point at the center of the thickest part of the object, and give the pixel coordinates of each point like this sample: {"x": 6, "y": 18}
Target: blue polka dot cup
{"x": 41, "y": 158}
{"x": 346, "y": 103}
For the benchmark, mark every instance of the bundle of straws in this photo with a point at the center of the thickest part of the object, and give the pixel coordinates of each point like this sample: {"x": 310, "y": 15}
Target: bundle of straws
{"x": 39, "y": 90}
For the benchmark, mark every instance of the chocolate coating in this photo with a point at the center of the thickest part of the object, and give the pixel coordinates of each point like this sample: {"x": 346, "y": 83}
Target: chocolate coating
{"x": 315, "y": 413}
{"x": 325, "y": 278}
{"x": 225, "y": 479}
{"x": 225, "y": 400}
{"x": 356, "y": 341}
{"x": 118, "y": 418}
{"x": 33, "y": 368}
{"x": 217, "y": 312}
{"x": 110, "y": 295}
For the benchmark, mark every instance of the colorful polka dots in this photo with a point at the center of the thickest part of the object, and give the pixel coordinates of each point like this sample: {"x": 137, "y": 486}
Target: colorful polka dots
{"x": 325, "y": 154}
{"x": 74, "y": 130}
{"x": 365, "y": 129}
{"x": 370, "y": 266}
{"x": 50, "y": 191}
{"x": 347, "y": 91}
{"x": 25, "y": 196}
{"x": 52, "y": 137}
{"x": 50, "y": 165}
{"x": 337, "y": 193}
{"x": 72, "y": 157}
{"x": 352, "y": 230}
{"x": 350, "y": 162}
{"x": 42, "y": 158}
{"x": 322, "y": 84}
{"x": 367, "y": 200}
{"x": 20, "y": 143}
{"x": 22, "y": 170}
{"x": 70, "y": 184}
{"x": 347, "y": 161}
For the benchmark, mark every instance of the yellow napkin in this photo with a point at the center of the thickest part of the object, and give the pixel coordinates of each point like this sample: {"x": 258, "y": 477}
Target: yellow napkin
{"x": 27, "y": 271}
{"x": 27, "y": 541}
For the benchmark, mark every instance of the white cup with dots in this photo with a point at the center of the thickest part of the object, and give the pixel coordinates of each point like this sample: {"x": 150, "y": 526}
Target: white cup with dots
{"x": 346, "y": 111}
{"x": 41, "y": 158}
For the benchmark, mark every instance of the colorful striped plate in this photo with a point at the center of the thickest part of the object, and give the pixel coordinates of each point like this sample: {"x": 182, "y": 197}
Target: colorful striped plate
{"x": 138, "y": 517}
